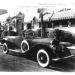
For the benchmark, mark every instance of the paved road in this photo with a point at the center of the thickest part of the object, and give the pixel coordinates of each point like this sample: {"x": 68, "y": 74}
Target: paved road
{"x": 18, "y": 62}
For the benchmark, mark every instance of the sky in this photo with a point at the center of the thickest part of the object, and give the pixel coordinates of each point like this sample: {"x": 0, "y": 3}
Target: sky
{"x": 29, "y": 7}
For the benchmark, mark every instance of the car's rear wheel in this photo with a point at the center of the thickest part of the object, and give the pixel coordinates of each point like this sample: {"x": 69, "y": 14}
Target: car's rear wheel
{"x": 43, "y": 58}
{"x": 24, "y": 46}
{"x": 5, "y": 48}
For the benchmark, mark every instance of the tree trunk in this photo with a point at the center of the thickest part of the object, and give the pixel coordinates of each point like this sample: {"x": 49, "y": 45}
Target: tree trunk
{"x": 43, "y": 27}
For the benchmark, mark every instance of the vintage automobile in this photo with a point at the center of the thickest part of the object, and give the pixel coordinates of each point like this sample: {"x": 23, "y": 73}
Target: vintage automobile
{"x": 45, "y": 50}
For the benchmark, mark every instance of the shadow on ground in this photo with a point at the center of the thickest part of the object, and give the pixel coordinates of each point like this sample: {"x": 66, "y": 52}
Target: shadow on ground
{"x": 63, "y": 66}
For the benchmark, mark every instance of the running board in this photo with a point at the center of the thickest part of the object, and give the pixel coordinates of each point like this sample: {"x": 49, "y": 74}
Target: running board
{"x": 16, "y": 50}
{"x": 56, "y": 59}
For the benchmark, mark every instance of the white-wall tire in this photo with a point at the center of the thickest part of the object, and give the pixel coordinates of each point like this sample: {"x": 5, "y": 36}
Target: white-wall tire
{"x": 43, "y": 58}
{"x": 5, "y": 48}
{"x": 24, "y": 46}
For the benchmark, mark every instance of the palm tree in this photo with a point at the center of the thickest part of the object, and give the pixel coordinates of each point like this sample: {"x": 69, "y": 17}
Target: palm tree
{"x": 41, "y": 14}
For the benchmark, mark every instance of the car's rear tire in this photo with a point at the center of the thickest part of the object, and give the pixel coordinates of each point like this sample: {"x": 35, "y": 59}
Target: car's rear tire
{"x": 43, "y": 58}
{"x": 24, "y": 46}
{"x": 5, "y": 48}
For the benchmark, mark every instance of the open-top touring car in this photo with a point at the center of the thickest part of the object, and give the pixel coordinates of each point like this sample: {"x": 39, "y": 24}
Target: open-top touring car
{"x": 45, "y": 50}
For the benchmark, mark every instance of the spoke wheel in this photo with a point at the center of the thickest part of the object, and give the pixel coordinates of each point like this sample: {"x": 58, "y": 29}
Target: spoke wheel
{"x": 5, "y": 48}
{"x": 24, "y": 46}
{"x": 43, "y": 58}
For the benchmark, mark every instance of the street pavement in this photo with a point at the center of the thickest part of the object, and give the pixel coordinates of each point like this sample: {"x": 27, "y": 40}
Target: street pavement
{"x": 17, "y": 62}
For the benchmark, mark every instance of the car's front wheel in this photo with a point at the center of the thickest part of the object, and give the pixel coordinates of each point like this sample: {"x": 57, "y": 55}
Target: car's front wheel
{"x": 43, "y": 58}
{"x": 5, "y": 48}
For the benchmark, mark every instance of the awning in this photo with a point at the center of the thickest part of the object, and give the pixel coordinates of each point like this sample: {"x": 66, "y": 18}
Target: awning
{"x": 66, "y": 14}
